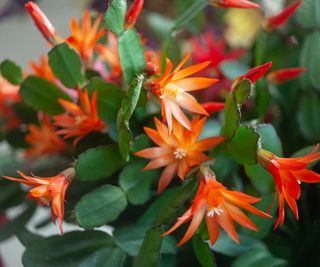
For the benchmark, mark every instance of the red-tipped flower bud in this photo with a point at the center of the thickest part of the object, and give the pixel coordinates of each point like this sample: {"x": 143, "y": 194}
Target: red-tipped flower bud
{"x": 212, "y": 107}
{"x": 41, "y": 21}
{"x": 133, "y": 13}
{"x": 256, "y": 73}
{"x": 234, "y": 4}
{"x": 283, "y": 75}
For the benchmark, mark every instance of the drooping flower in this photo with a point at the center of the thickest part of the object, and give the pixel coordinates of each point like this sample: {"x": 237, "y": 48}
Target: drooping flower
{"x": 177, "y": 152}
{"x": 85, "y": 36}
{"x": 172, "y": 89}
{"x": 281, "y": 18}
{"x": 44, "y": 139}
{"x": 234, "y": 4}
{"x": 48, "y": 191}
{"x": 220, "y": 207}
{"x": 133, "y": 13}
{"x": 42, "y": 69}
{"x": 288, "y": 173}
{"x": 42, "y": 22}
{"x": 283, "y": 75}
{"x": 79, "y": 120}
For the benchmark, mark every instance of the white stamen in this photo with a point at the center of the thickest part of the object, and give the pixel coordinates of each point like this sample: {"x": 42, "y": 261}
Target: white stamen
{"x": 180, "y": 153}
{"x": 214, "y": 211}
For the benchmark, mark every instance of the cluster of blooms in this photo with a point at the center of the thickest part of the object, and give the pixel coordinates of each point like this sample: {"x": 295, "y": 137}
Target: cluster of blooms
{"x": 178, "y": 148}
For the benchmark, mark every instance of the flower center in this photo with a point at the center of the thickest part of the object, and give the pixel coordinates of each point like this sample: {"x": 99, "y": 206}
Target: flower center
{"x": 174, "y": 91}
{"x": 214, "y": 211}
{"x": 180, "y": 153}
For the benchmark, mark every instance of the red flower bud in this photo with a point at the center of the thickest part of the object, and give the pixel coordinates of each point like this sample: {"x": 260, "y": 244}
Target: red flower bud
{"x": 283, "y": 16}
{"x": 212, "y": 107}
{"x": 256, "y": 73}
{"x": 41, "y": 21}
{"x": 133, "y": 13}
{"x": 234, "y": 4}
{"x": 284, "y": 75}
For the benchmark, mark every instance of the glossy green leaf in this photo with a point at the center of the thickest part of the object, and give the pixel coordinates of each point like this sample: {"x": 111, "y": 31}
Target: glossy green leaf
{"x": 242, "y": 91}
{"x": 74, "y": 249}
{"x": 269, "y": 138}
{"x": 308, "y": 117}
{"x": 11, "y": 71}
{"x": 232, "y": 117}
{"x": 203, "y": 253}
{"x": 131, "y": 55}
{"x": 243, "y": 147}
{"x": 66, "y": 65}
{"x": 225, "y": 245}
{"x": 12, "y": 227}
{"x": 310, "y": 60}
{"x": 128, "y": 106}
{"x": 258, "y": 257}
{"x": 98, "y": 163}
{"x": 114, "y": 17}
{"x": 149, "y": 253}
{"x": 233, "y": 69}
{"x": 42, "y": 95}
{"x": 136, "y": 182}
{"x": 261, "y": 179}
{"x": 109, "y": 98}
{"x": 100, "y": 206}
{"x": 308, "y": 15}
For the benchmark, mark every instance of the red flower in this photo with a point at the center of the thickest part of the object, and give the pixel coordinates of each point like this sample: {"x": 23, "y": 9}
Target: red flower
{"x": 283, "y": 75}
{"x": 220, "y": 207}
{"x": 288, "y": 173}
{"x": 234, "y": 4}
{"x": 49, "y": 190}
{"x": 283, "y": 16}
{"x": 79, "y": 120}
{"x": 133, "y": 13}
{"x": 42, "y": 22}
{"x": 179, "y": 151}
{"x": 44, "y": 139}
{"x": 212, "y": 107}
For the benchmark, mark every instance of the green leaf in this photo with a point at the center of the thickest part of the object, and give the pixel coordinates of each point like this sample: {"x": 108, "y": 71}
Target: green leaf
{"x": 160, "y": 25}
{"x": 11, "y": 71}
{"x": 232, "y": 117}
{"x": 100, "y": 206}
{"x": 243, "y": 147}
{"x": 308, "y": 15}
{"x": 242, "y": 91}
{"x": 66, "y": 65}
{"x": 203, "y": 252}
{"x": 98, "y": 163}
{"x": 258, "y": 257}
{"x": 269, "y": 138}
{"x": 261, "y": 179}
{"x": 131, "y": 54}
{"x": 128, "y": 106}
{"x": 149, "y": 253}
{"x": 12, "y": 227}
{"x": 74, "y": 249}
{"x": 311, "y": 61}
{"x": 114, "y": 17}
{"x": 233, "y": 69}
{"x": 308, "y": 116}
{"x": 225, "y": 245}
{"x": 189, "y": 13}
{"x": 136, "y": 182}
{"x": 109, "y": 99}
{"x": 26, "y": 237}
{"x": 42, "y": 95}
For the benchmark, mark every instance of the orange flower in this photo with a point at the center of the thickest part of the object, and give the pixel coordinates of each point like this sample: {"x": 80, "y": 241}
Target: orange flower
{"x": 288, "y": 173}
{"x": 84, "y": 37}
{"x": 220, "y": 207}
{"x": 283, "y": 75}
{"x": 172, "y": 89}
{"x": 43, "y": 69}
{"x": 281, "y": 18}
{"x": 110, "y": 54}
{"x": 179, "y": 151}
{"x": 43, "y": 139}
{"x": 79, "y": 120}
{"x": 49, "y": 190}
{"x": 234, "y": 4}
{"x": 42, "y": 22}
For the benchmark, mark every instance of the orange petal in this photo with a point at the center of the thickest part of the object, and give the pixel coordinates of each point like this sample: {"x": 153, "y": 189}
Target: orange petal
{"x": 307, "y": 176}
{"x": 208, "y": 143}
{"x": 181, "y": 220}
{"x": 190, "y": 103}
{"x": 166, "y": 176}
{"x": 213, "y": 229}
{"x": 192, "y": 84}
{"x": 190, "y": 70}
{"x": 225, "y": 221}
{"x": 160, "y": 162}
{"x": 154, "y": 152}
